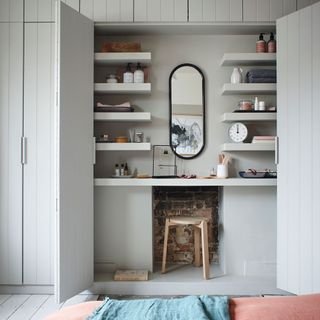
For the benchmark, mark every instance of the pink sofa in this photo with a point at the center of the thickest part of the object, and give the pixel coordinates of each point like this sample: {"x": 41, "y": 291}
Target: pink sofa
{"x": 271, "y": 308}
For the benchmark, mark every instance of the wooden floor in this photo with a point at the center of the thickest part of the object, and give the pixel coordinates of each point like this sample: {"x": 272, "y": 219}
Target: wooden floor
{"x": 35, "y": 307}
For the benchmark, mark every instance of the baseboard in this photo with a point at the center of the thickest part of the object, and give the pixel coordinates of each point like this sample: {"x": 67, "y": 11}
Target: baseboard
{"x": 7, "y": 289}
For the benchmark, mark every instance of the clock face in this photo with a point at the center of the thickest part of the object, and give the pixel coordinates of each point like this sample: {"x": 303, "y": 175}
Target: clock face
{"x": 238, "y": 132}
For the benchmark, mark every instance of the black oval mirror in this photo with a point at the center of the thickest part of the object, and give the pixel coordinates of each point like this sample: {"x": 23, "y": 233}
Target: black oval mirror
{"x": 187, "y": 111}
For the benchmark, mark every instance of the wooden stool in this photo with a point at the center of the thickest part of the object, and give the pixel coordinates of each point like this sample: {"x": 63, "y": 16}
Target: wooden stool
{"x": 200, "y": 224}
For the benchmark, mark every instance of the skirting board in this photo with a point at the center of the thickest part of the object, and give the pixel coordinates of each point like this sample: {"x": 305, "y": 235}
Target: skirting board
{"x": 6, "y": 289}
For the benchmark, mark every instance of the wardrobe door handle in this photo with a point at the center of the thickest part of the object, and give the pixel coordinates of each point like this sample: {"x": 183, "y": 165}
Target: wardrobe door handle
{"x": 23, "y": 150}
{"x": 94, "y": 149}
{"x": 276, "y": 150}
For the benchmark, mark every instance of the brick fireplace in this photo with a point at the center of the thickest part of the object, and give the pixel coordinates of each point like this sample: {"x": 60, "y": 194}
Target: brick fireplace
{"x": 184, "y": 201}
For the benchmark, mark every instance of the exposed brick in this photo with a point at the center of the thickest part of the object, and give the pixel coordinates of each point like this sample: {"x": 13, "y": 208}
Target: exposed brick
{"x": 184, "y": 201}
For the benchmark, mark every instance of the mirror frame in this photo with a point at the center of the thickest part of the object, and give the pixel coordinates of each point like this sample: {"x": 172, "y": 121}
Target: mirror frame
{"x": 204, "y": 110}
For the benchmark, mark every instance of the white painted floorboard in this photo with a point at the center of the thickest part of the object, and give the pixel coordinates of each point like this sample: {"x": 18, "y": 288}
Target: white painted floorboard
{"x": 35, "y": 307}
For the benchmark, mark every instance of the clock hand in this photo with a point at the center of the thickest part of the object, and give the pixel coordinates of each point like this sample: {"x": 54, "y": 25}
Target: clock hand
{"x": 237, "y": 128}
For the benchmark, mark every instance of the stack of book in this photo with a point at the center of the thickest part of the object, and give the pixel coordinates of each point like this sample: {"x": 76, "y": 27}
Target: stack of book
{"x": 263, "y": 139}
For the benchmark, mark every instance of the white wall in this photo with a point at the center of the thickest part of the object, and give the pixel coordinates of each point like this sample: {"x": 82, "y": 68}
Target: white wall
{"x": 167, "y": 52}
{"x": 249, "y": 215}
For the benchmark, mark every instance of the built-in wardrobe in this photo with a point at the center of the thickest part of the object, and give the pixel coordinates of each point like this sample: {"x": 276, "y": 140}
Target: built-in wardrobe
{"x": 47, "y": 147}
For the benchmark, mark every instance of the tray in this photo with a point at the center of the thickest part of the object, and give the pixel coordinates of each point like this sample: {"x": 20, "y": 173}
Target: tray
{"x": 255, "y": 111}
{"x": 258, "y": 175}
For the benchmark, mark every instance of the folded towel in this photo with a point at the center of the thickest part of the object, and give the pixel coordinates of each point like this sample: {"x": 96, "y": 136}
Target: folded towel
{"x": 188, "y": 308}
{"x": 261, "y": 80}
{"x": 261, "y": 73}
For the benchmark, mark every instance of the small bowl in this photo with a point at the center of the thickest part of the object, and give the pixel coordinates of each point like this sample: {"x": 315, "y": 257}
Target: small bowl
{"x": 121, "y": 139}
{"x": 245, "y": 105}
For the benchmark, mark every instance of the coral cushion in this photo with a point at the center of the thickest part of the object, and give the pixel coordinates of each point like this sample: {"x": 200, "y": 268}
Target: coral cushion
{"x": 77, "y": 312}
{"x": 271, "y": 308}
{"x": 276, "y": 308}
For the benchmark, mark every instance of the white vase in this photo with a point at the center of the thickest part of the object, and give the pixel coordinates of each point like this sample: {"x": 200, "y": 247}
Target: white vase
{"x": 236, "y": 76}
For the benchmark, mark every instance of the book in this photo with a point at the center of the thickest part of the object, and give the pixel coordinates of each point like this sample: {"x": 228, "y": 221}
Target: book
{"x": 131, "y": 275}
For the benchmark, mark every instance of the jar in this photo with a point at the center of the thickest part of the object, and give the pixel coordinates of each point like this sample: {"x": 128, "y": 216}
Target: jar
{"x": 111, "y": 78}
{"x": 245, "y": 105}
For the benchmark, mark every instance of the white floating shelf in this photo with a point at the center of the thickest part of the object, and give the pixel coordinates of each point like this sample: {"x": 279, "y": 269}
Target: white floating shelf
{"x": 115, "y": 58}
{"x": 249, "y": 88}
{"x": 123, "y": 88}
{"x": 248, "y": 147}
{"x": 249, "y": 116}
{"x": 102, "y": 146}
{"x": 249, "y": 59}
{"x": 123, "y": 116}
{"x": 135, "y": 182}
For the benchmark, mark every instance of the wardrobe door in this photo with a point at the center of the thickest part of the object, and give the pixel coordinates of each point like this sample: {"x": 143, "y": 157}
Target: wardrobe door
{"x": 11, "y": 111}
{"x": 38, "y": 214}
{"x": 39, "y": 10}
{"x": 74, "y": 152}
{"x": 11, "y": 11}
{"x": 298, "y": 236}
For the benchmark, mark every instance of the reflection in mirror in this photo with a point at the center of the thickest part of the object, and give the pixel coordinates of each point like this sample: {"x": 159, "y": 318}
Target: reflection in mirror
{"x": 187, "y": 108}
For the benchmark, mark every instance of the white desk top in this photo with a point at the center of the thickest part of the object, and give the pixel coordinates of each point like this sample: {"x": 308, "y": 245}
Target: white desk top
{"x": 230, "y": 182}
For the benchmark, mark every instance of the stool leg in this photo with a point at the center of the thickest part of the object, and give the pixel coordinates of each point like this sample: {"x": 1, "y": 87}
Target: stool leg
{"x": 165, "y": 247}
{"x": 205, "y": 249}
{"x": 197, "y": 260}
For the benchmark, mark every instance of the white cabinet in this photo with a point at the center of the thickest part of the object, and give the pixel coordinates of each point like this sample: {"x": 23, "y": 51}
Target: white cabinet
{"x": 298, "y": 224}
{"x": 266, "y": 10}
{"x": 11, "y": 111}
{"x": 38, "y": 215}
{"x": 160, "y": 11}
{"x": 11, "y": 10}
{"x": 215, "y": 10}
{"x": 305, "y": 3}
{"x": 44, "y": 10}
{"x": 107, "y": 10}
{"x": 74, "y": 153}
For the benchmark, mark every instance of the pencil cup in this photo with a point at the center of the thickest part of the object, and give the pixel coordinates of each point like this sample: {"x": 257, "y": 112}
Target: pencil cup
{"x": 222, "y": 171}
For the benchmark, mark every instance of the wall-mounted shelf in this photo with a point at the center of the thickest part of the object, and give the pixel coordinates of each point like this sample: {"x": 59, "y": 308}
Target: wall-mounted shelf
{"x": 249, "y": 59}
{"x": 123, "y": 116}
{"x": 248, "y": 147}
{"x": 248, "y": 116}
{"x": 122, "y": 88}
{"x": 233, "y": 182}
{"x": 116, "y": 58}
{"x": 145, "y": 146}
{"x": 249, "y": 88}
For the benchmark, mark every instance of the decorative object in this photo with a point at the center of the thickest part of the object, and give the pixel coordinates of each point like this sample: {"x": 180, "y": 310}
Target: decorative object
{"x": 261, "y": 45}
{"x": 128, "y": 75}
{"x": 236, "y": 76}
{"x": 138, "y": 137}
{"x": 164, "y": 162}
{"x": 272, "y": 44}
{"x": 256, "y": 174}
{"x": 238, "y": 132}
{"x": 131, "y": 135}
{"x": 111, "y": 78}
{"x": 262, "y": 105}
{"x": 187, "y": 111}
{"x": 245, "y": 105}
{"x": 121, "y": 47}
{"x": 131, "y": 275}
{"x": 222, "y": 167}
{"x": 138, "y": 75}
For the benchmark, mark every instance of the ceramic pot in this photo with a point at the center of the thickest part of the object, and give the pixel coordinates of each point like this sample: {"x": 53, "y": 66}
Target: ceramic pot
{"x": 236, "y": 76}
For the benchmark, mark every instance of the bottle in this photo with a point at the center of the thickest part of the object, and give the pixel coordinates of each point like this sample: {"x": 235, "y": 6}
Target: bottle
{"x": 128, "y": 75}
{"x": 256, "y": 104}
{"x": 117, "y": 170}
{"x": 126, "y": 170}
{"x": 138, "y": 76}
{"x": 261, "y": 45}
{"x": 272, "y": 45}
{"x": 236, "y": 76}
{"x": 122, "y": 170}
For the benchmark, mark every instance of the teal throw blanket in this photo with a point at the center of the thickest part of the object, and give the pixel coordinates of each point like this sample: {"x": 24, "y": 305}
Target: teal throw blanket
{"x": 188, "y": 308}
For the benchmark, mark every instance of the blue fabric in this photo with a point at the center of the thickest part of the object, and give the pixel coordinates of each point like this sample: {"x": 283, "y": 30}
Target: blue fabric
{"x": 188, "y": 308}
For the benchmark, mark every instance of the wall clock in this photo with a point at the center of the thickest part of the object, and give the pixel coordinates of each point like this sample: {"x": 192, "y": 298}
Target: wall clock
{"x": 238, "y": 132}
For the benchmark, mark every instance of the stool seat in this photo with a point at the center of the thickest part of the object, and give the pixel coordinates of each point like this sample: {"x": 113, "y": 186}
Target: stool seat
{"x": 186, "y": 220}
{"x": 200, "y": 231}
